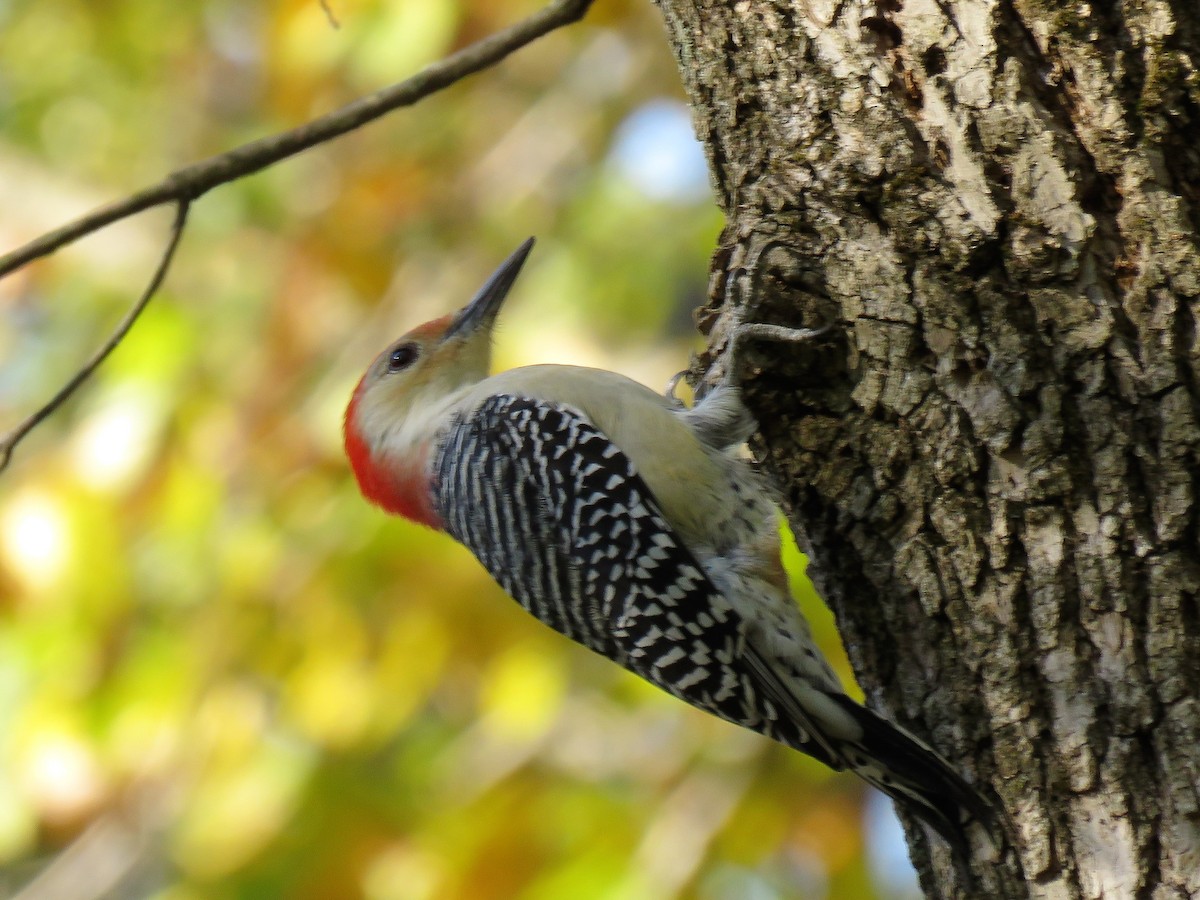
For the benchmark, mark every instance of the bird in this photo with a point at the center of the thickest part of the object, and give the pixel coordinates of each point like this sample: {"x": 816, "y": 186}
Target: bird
{"x": 631, "y": 524}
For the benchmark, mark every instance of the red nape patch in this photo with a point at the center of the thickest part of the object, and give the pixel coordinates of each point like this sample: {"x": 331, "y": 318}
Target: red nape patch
{"x": 400, "y": 488}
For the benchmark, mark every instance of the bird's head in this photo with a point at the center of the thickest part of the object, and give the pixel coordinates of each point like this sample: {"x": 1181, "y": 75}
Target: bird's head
{"x": 407, "y": 389}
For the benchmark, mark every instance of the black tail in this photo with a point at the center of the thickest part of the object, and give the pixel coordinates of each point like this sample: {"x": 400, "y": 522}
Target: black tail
{"x": 914, "y": 774}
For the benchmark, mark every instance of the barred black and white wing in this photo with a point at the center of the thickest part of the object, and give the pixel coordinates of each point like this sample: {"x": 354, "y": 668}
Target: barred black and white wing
{"x": 558, "y": 515}
{"x": 560, "y": 518}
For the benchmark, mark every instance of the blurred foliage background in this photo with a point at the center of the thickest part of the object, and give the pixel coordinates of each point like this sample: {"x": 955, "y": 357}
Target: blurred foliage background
{"x": 222, "y": 674}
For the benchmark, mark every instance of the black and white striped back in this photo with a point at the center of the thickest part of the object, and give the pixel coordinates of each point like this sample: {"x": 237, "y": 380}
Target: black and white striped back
{"x": 558, "y": 515}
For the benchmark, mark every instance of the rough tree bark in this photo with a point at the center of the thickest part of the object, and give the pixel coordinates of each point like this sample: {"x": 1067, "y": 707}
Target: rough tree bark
{"x": 992, "y": 456}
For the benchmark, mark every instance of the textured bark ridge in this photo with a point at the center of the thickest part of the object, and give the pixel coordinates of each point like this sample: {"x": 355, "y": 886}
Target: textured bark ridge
{"x": 992, "y": 456}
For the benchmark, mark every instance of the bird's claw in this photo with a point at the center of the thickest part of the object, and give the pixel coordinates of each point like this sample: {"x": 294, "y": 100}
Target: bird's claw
{"x": 669, "y": 393}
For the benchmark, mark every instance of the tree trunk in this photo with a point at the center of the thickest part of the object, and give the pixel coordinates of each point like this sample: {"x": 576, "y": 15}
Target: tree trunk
{"x": 991, "y": 457}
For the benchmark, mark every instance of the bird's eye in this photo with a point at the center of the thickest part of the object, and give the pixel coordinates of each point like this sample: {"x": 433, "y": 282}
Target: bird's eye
{"x": 402, "y": 357}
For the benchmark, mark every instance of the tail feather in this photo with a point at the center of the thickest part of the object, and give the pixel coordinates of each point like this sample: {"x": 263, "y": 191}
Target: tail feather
{"x": 914, "y": 774}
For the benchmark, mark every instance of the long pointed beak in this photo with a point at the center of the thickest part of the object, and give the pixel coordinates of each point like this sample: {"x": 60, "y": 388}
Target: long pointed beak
{"x": 483, "y": 308}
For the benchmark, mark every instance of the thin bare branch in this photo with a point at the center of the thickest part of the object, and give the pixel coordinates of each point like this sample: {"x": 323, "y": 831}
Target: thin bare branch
{"x": 17, "y": 434}
{"x": 192, "y": 181}
{"x": 185, "y": 185}
{"x": 328, "y": 10}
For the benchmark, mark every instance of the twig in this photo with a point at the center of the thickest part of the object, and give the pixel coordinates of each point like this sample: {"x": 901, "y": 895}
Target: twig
{"x": 333, "y": 22}
{"x": 195, "y": 180}
{"x": 185, "y": 185}
{"x": 16, "y": 435}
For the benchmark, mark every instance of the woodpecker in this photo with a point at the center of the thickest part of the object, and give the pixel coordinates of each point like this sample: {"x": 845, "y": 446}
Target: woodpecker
{"x": 630, "y": 524}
